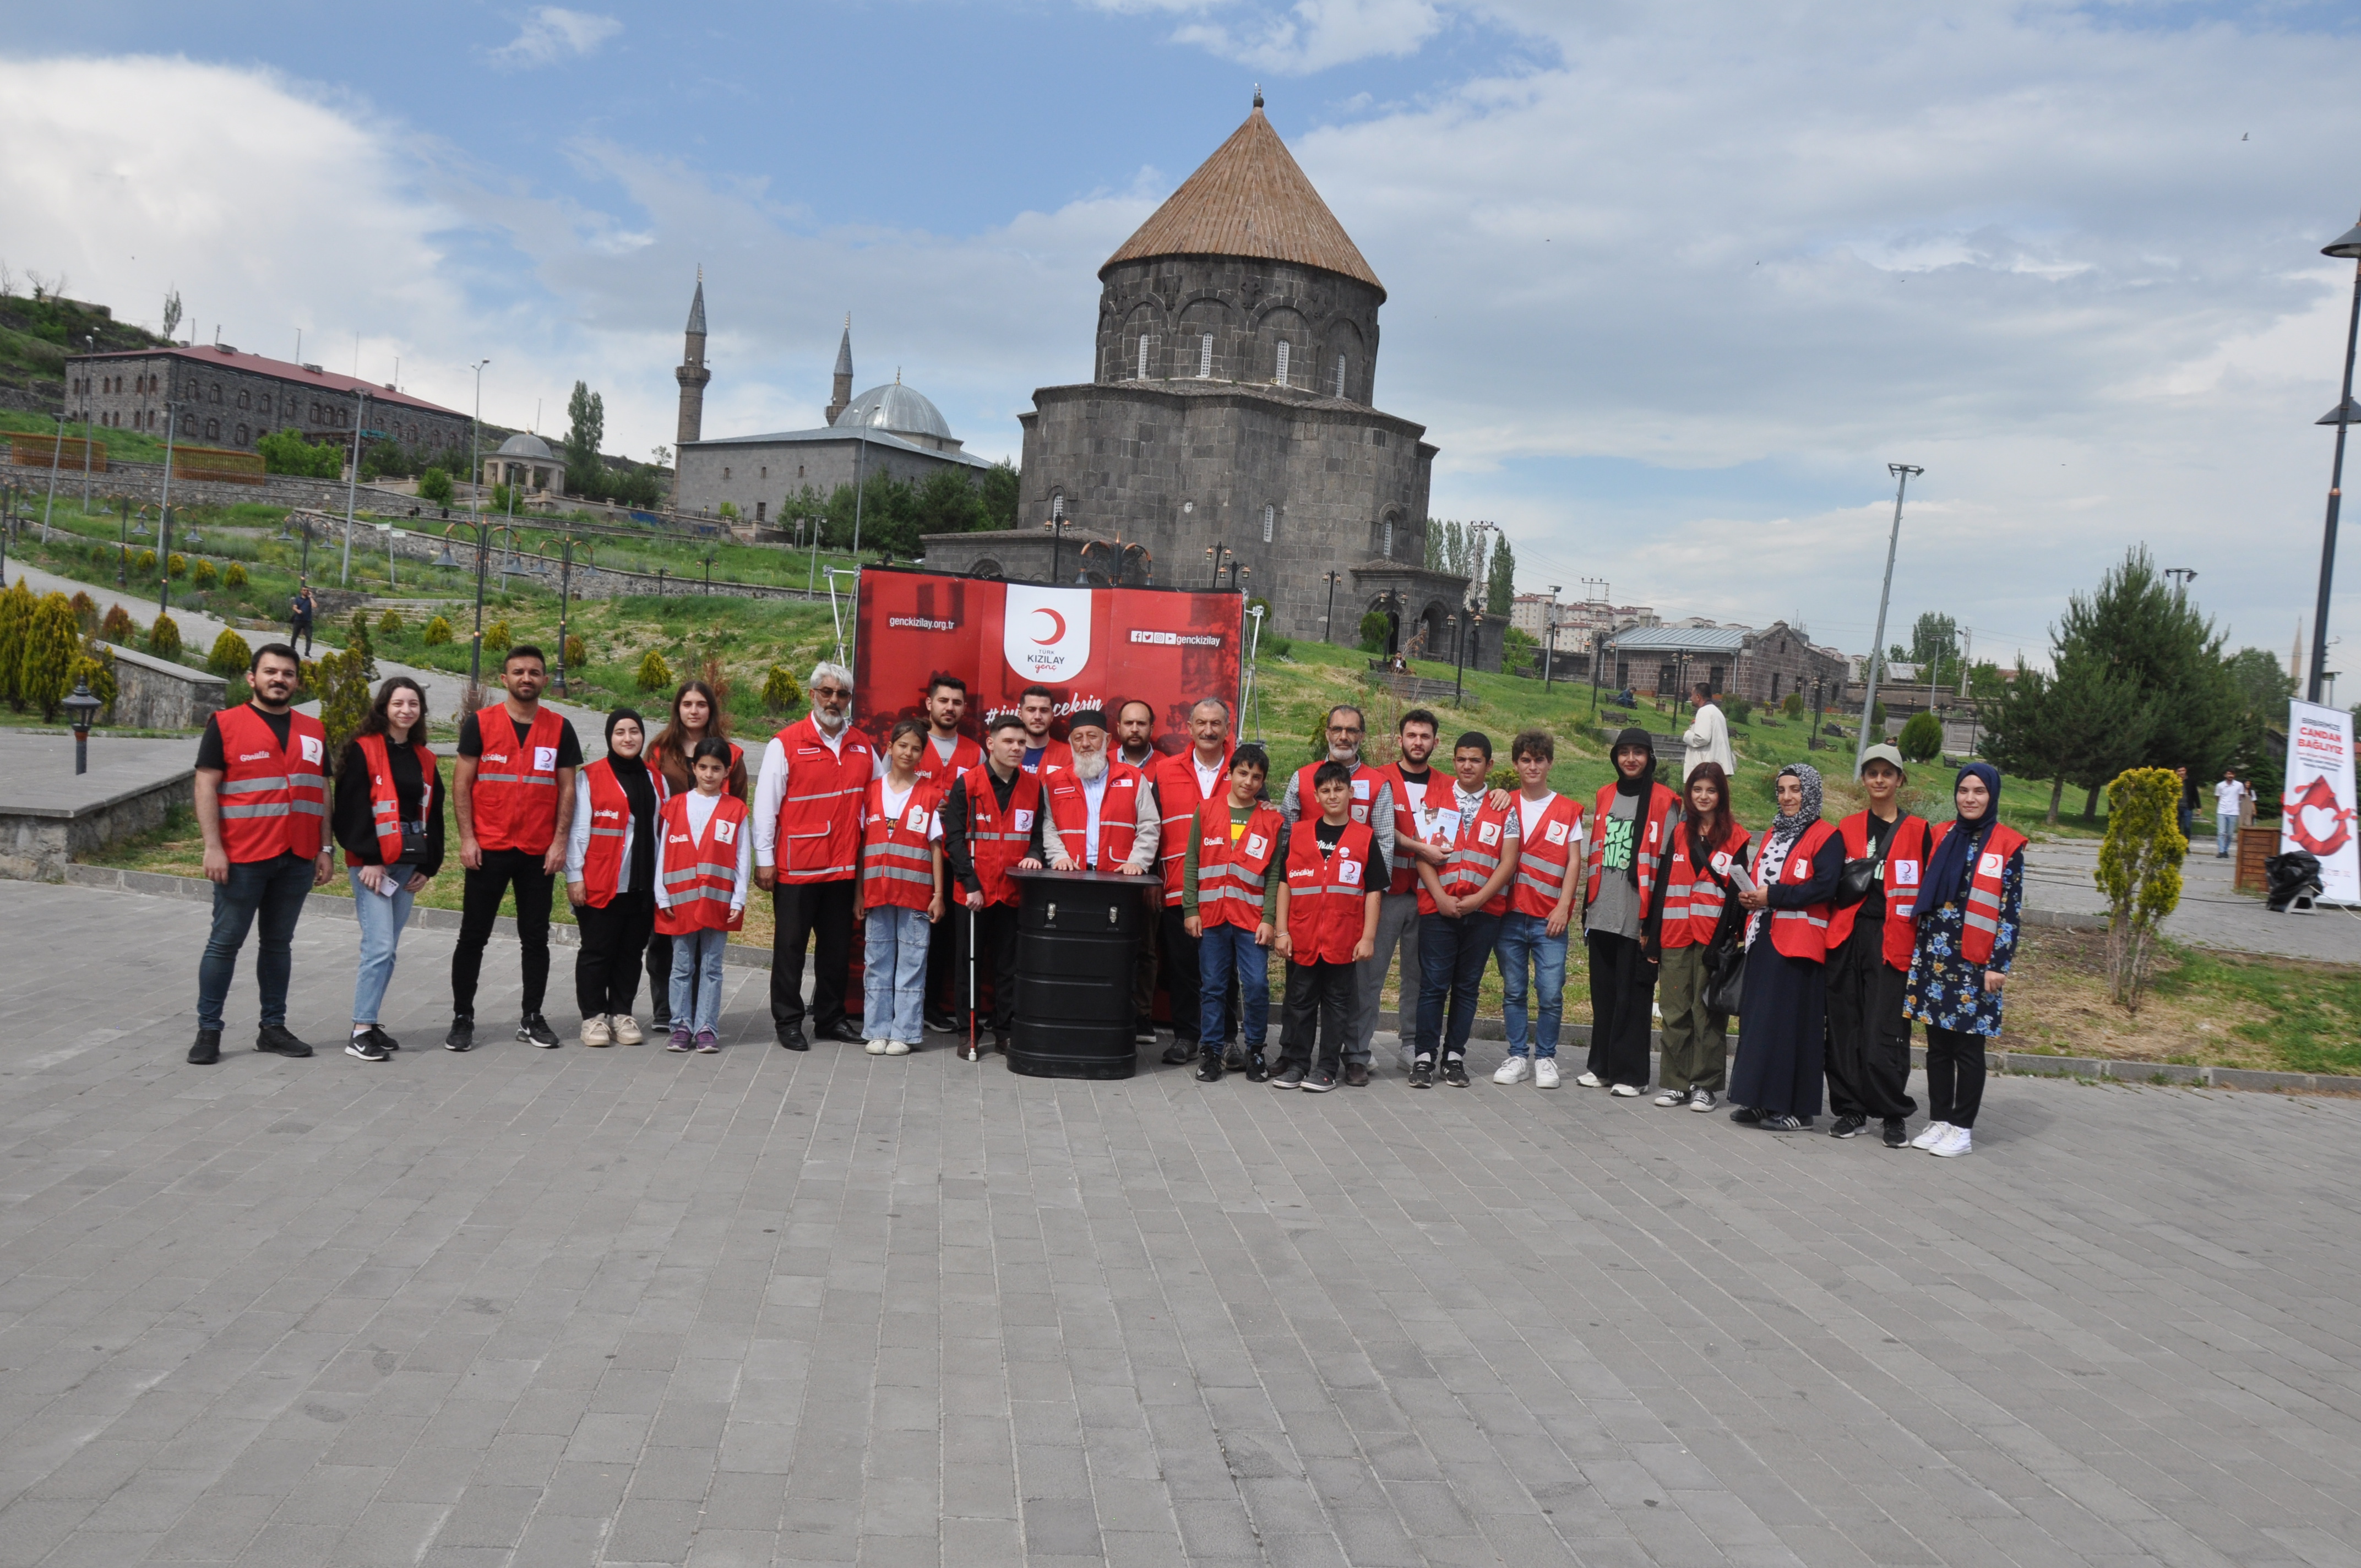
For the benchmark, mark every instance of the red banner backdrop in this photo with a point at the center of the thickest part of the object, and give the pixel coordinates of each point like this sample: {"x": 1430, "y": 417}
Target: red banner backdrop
{"x": 1093, "y": 647}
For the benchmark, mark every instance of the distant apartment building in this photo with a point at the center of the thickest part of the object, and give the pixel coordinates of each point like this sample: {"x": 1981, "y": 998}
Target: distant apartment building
{"x": 225, "y": 398}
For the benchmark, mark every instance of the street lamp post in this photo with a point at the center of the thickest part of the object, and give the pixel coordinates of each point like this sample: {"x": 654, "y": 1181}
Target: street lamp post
{"x": 1459, "y": 653}
{"x": 164, "y": 520}
{"x": 2347, "y": 247}
{"x": 564, "y": 598}
{"x": 1549, "y": 656}
{"x": 1216, "y": 552}
{"x": 1328, "y": 618}
{"x": 1903, "y": 474}
{"x": 81, "y": 708}
{"x": 91, "y": 340}
{"x": 353, "y": 479}
{"x": 57, "y": 448}
{"x": 1056, "y": 527}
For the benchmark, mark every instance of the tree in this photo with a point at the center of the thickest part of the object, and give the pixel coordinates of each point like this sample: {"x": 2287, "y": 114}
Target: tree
{"x": 85, "y": 610}
{"x": 434, "y": 486}
{"x": 997, "y": 493}
{"x": 93, "y": 666}
{"x": 435, "y": 632}
{"x": 1935, "y": 648}
{"x": 2141, "y": 629}
{"x": 1374, "y": 627}
{"x": 286, "y": 452}
{"x": 2139, "y": 870}
{"x": 1922, "y": 738}
{"x": 780, "y": 691}
{"x": 17, "y": 609}
{"x": 164, "y": 638}
{"x": 171, "y": 312}
{"x": 585, "y": 414}
{"x": 2263, "y": 689}
{"x": 234, "y": 577}
{"x": 118, "y": 626}
{"x": 945, "y": 503}
{"x": 51, "y": 642}
{"x": 655, "y": 674}
{"x": 2101, "y": 723}
{"x": 230, "y": 656}
{"x": 1500, "y": 579}
{"x": 341, "y": 681}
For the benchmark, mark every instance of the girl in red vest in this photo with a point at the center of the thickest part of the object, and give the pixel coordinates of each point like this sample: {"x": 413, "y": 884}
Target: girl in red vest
{"x": 388, "y": 817}
{"x": 1967, "y": 938}
{"x": 900, "y": 896}
{"x": 1708, "y": 846}
{"x": 1783, "y": 1029}
{"x": 610, "y": 880}
{"x": 697, "y": 712}
{"x": 703, "y": 870}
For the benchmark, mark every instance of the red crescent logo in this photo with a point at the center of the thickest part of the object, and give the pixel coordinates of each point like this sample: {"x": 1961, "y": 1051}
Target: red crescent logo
{"x": 1056, "y": 619}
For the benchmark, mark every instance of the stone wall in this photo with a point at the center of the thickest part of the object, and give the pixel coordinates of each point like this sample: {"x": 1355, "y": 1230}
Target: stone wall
{"x": 233, "y": 401}
{"x": 761, "y": 478}
{"x": 143, "y": 484}
{"x": 1780, "y": 660}
{"x": 1249, "y": 307}
{"x": 154, "y": 693}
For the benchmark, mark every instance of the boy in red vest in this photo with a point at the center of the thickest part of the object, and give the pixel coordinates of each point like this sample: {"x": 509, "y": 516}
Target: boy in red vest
{"x": 949, "y": 754}
{"x": 1540, "y": 905}
{"x": 262, "y": 800}
{"x": 1460, "y": 909}
{"x": 1230, "y": 902}
{"x": 1328, "y": 923}
{"x": 514, "y": 798}
{"x": 1869, "y": 959}
{"x": 992, "y": 821}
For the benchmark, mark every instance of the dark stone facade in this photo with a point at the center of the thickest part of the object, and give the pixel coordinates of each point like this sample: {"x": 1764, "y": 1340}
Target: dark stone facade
{"x": 232, "y": 400}
{"x": 1247, "y": 309}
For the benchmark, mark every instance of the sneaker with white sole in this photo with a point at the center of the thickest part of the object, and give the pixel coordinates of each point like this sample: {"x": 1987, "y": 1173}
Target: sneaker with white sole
{"x": 1512, "y": 1071}
{"x": 1956, "y": 1141}
{"x": 1626, "y": 1092}
{"x": 626, "y": 1028}
{"x": 875, "y": 1048}
{"x": 1591, "y": 1081}
{"x": 1546, "y": 1073}
{"x": 1702, "y": 1099}
{"x": 1932, "y": 1135}
{"x": 597, "y": 1031}
{"x": 1672, "y": 1097}
{"x": 898, "y": 1048}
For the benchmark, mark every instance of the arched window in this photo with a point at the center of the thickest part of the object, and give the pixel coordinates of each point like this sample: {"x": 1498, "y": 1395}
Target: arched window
{"x": 1142, "y": 372}
{"x": 1057, "y": 505}
{"x": 1282, "y": 361}
{"x": 246, "y": 399}
{"x": 1205, "y": 357}
{"x": 243, "y": 434}
{"x": 1386, "y": 538}
{"x": 213, "y": 429}
{"x": 1269, "y": 521}
{"x": 1340, "y": 374}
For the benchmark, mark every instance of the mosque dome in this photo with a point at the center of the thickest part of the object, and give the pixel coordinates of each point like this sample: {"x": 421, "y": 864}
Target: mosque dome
{"x": 898, "y": 411}
{"x": 526, "y": 444}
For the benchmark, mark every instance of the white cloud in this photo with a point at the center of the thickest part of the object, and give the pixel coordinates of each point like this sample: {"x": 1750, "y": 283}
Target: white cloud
{"x": 551, "y": 34}
{"x": 1308, "y": 36}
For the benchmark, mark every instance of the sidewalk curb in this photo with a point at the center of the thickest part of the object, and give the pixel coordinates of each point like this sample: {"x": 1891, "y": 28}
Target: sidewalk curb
{"x": 196, "y": 889}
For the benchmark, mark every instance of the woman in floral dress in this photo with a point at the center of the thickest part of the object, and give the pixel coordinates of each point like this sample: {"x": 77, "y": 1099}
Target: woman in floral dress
{"x": 1968, "y": 908}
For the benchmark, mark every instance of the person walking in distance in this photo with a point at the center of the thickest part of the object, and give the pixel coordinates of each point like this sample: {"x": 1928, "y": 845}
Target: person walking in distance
{"x": 301, "y": 612}
{"x": 388, "y": 817}
{"x": 514, "y": 800}
{"x": 1460, "y": 909}
{"x": 1708, "y": 846}
{"x": 1372, "y": 806}
{"x": 991, "y": 822}
{"x": 1532, "y": 943}
{"x": 807, "y": 801}
{"x": 1328, "y": 923}
{"x": 1184, "y": 782}
{"x": 1231, "y": 902}
{"x": 262, "y": 802}
{"x": 1037, "y": 706}
{"x": 1783, "y": 1012}
{"x": 1966, "y": 916}
{"x": 949, "y": 754}
{"x": 1102, "y": 814}
{"x": 901, "y": 893}
{"x": 2230, "y": 798}
{"x": 1622, "y": 920}
{"x": 697, "y": 712}
{"x": 610, "y": 880}
{"x": 703, "y": 870}
{"x": 1134, "y": 734}
{"x": 1870, "y": 933}
{"x": 1708, "y": 738}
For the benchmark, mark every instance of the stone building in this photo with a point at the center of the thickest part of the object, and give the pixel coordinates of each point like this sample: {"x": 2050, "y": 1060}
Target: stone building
{"x": 1230, "y": 408}
{"x": 1765, "y": 667}
{"x": 526, "y": 463}
{"x": 225, "y": 398}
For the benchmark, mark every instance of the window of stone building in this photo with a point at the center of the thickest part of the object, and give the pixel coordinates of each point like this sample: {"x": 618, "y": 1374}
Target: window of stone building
{"x": 1386, "y": 538}
{"x": 215, "y": 396}
{"x": 1282, "y": 361}
{"x": 1144, "y": 340}
{"x": 243, "y": 436}
{"x": 246, "y": 399}
{"x": 799, "y": 470}
{"x": 761, "y": 510}
{"x": 1056, "y": 504}
{"x": 1340, "y": 374}
{"x": 767, "y": 470}
{"x": 1774, "y": 685}
{"x": 315, "y": 413}
{"x": 1205, "y": 357}
{"x": 1269, "y": 521}
{"x": 213, "y": 429}
{"x": 725, "y": 473}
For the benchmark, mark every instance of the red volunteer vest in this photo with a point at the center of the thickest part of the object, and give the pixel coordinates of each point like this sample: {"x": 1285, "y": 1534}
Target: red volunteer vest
{"x": 1649, "y": 845}
{"x": 897, "y": 859}
{"x": 1232, "y": 873}
{"x": 1803, "y": 933}
{"x": 611, "y": 826}
{"x": 1178, "y": 801}
{"x": 1408, "y": 798}
{"x": 701, "y": 874}
{"x": 1693, "y": 901}
{"x": 1054, "y": 755}
{"x": 1069, "y": 813}
{"x": 1324, "y": 893}
{"x": 1905, "y": 858}
{"x": 997, "y": 838}
{"x": 933, "y": 770}
{"x": 515, "y": 795}
{"x": 273, "y": 803}
{"x": 385, "y": 806}
{"x": 819, "y": 809}
{"x": 1476, "y": 851}
{"x": 1366, "y": 780}
{"x": 1543, "y": 855}
{"x": 1984, "y": 906}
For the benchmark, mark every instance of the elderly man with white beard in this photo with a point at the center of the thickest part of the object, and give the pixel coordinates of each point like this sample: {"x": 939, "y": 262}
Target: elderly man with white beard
{"x": 1101, "y": 810}
{"x": 807, "y": 825}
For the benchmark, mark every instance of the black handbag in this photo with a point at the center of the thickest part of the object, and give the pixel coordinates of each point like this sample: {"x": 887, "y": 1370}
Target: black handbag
{"x": 1725, "y": 955}
{"x": 414, "y": 847}
{"x": 1857, "y": 881}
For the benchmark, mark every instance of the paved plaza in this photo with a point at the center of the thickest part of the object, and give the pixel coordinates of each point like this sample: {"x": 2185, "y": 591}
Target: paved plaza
{"x": 583, "y": 1307}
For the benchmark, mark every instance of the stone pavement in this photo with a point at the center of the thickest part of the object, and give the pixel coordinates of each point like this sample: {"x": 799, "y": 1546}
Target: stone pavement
{"x": 2057, "y": 877}
{"x": 577, "y": 1306}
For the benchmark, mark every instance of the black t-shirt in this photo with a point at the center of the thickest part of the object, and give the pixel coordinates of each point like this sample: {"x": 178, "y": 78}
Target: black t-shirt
{"x": 212, "y": 755}
{"x": 1379, "y": 878}
{"x": 1868, "y": 924}
{"x": 569, "y": 745}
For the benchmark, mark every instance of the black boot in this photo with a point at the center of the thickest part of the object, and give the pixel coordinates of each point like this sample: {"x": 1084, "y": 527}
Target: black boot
{"x": 207, "y": 1050}
{"x": 1208, "y": 1067}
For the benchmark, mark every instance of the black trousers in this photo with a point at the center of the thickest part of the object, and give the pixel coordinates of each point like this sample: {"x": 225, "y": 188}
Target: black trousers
{"x": 1319, "y": 1013}
{"x": 1955, "y": 1076}
{"x": 1868, "y": 1039}
{"x": 995, "y": 956}
{"x": 946, "y": 960}
{"x": 607, "y": 965}
{"x": 1623, "y": 999}
{"x": 1182, "y": 979}
{"x": 819, "y": 914}
{"x": 479, "y": 906}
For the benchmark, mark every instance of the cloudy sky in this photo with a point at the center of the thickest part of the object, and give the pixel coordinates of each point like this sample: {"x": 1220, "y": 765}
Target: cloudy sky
{"x": 1670, "y": 284}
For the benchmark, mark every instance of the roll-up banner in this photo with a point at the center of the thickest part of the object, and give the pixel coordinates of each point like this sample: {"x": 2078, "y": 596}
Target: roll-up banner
{"x": 2316, "y": 809}
{"x": 1169, "y": 648}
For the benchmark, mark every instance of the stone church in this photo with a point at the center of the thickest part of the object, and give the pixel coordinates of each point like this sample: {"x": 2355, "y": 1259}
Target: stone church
{"x": 1230, "y": 422}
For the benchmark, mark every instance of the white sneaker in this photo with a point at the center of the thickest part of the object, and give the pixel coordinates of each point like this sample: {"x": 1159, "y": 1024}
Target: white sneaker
{"x": 1408, "y": 1059}
{"x": 594, "y": 1031}
{"x": 1546, "y": 1073}
{"x": 897, "y": 1048}
{"x": 875, "y": 1048}
{"x": 1672, "y": 1097}
{"x": 1931, "y": 1136}
{"x": 627, "y": 1028}
{"x": 1956, "y": 1141}
{"x": 1512, "y": 1071}
{"x": 1591, "y": 1081}
{"x": 1626, "y": 1092}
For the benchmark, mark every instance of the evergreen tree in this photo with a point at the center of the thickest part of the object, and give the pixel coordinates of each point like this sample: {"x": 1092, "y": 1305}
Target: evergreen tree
{"x": 998, "y": 495}
{"x": 17, "y": 609}
{"x": 1500, "y": 579}
{"x": 585, "y": 413}
{"x": 2142, "y": 633}
{"x": 1935, "y": 648}
{"x": 51, "y": 642}
{"x": 945, "y": 503}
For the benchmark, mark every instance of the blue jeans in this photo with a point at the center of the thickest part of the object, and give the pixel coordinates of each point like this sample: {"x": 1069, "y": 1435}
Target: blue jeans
{"x": 1523, "y": 939}
{"x": 1222, "y": 951}
{"x": 381, "y": 919}
{"x": 274, "y": 889}
{"x": 894, "y": 973}
{"x": 2226, "y": 836}
{"x": 697, "y": 980}
{"x": 1452, "y": 954}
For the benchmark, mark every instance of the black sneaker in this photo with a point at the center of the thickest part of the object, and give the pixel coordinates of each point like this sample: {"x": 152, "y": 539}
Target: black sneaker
{"x": 1321, "y": 1082}
{"x": 1848, "y": 1127}
{"x": 1258, "y": 1068}
{"x": 1897, "y": 1135}
{"x": 1289, "y": 1076}
{"x": 207, "y": 1049}
{"x": 1209, "y": 1070}
{"x": 1783, "y": 1123}
{"x": 1181, "y": 1053}
{"x": 364, "y": 1046}
{"x": 462, "y": 1037}
{"x": 534, "y": 1029}
{"x": 1234, "y": 1058}
{"x": 1143, "y": 1033}
{"x": 1455, "y": 1072}
{"x": 276, "y": 1040}
{"x": 385, "y": 1042}
{"x": 1747, "y": 1117}
{"x": 940, "y": 1022}
{"x": 1422, "y": 1074}
{"x": 791, "y": 1038}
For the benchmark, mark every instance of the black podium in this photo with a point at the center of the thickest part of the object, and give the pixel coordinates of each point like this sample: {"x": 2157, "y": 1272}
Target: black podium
{"x": 1078, "y": 936}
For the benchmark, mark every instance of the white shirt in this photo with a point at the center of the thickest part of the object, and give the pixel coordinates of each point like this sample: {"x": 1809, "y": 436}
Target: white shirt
{"x": 1530, "y": 811}
{"x": 1093, "y": 794}
{"x": 1707, "y": 740}
{"x": 1208, "y": 779}
{"x": 771, "y": 790}
{"x": 2228, "y": 796}
{"x": 700, "y": 812}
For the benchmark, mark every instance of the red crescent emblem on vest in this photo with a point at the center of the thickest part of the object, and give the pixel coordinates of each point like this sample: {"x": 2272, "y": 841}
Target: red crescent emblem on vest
{"x": 1057, "y": 620}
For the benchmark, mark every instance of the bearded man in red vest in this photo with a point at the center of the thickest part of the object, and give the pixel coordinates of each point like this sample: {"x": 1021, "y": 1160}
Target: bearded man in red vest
{"x": 807, "y": 810}
{"x": 262, "y": 800}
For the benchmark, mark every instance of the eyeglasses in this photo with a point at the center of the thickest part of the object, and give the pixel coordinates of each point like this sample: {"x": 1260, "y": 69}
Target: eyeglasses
{"x": 1344, "y": 730}
{"x": 829, "y": 692}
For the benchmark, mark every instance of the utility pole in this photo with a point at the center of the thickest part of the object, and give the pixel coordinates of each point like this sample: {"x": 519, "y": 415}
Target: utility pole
{"x": 90, "y": 341}
{"x": 57, "y": 448}
{"x": 1903, "y": 474}
{"x": 1549, "y": 658}
{"x": 164, "y": 517}
{"x": 352, "y": 481}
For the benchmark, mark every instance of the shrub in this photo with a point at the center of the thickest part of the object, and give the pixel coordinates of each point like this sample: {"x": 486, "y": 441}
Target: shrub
{"x": 178, "y": 566}
{"x": 2139, "y": 870}
{"x": 236, "y": 576}
{"x": 85, "y": 610}
{"x": 51, "y": 641}
{"x": 286, "y": 452}
{"x": 205, "y": 574}
{"x": 356, "y": 641}
{"x": 118, "y": 626}
{"x": 341, "y": 681}
{"x": 17, "y": 607}
{"x": 164, "y": 638}
{"x": 231, "y": 654}
{"x": 779, "y": 690}
{"x": 435, "y": 634}
{"x": 1794, "y": 705}
{"x": 1374, "y": 627}
{"x": 147, "y": 561}
{"x": 434, "y": 486}
{"x": 655, "y": 674}
{"x": 496, "y": 637}
{"x": 390, "y": 623}
{"x": 577, "y": 653}
{"x": 93, "y": 666}
{"x": 1740, "y": 710}
{"x": 1922, "y": 739}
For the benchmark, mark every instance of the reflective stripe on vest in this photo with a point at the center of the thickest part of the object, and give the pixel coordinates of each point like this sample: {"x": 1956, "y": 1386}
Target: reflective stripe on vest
{"x": 897, "y": 862}
{"x": 274, "y": 799}
{"x": 1324, "y": 893}
{"x": 994, "y": 841}
{"x": 820, "y": 806}
{"x": 515, "y": 802}
{"x": 1230, "y": 892}
{"x": 700, "y": 890}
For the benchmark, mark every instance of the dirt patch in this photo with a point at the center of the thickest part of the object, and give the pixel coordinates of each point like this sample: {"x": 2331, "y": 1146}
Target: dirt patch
{"x": 2059, "y": 1003}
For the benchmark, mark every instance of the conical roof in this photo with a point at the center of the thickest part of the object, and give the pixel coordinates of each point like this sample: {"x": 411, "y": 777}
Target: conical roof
{"x": 697, "y": 306}
{"x": 844, "y": 349}
{"x": 1251, "y": 198}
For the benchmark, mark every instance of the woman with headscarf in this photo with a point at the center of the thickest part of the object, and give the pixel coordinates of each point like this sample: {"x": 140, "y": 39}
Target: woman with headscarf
{"x": 1783, "y": 1016}
{"x": 697, "y": 712}
{"x": 1967, "y": 938}
{"x": 1622, "y": 918}
{"x": 610, "y": 879}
